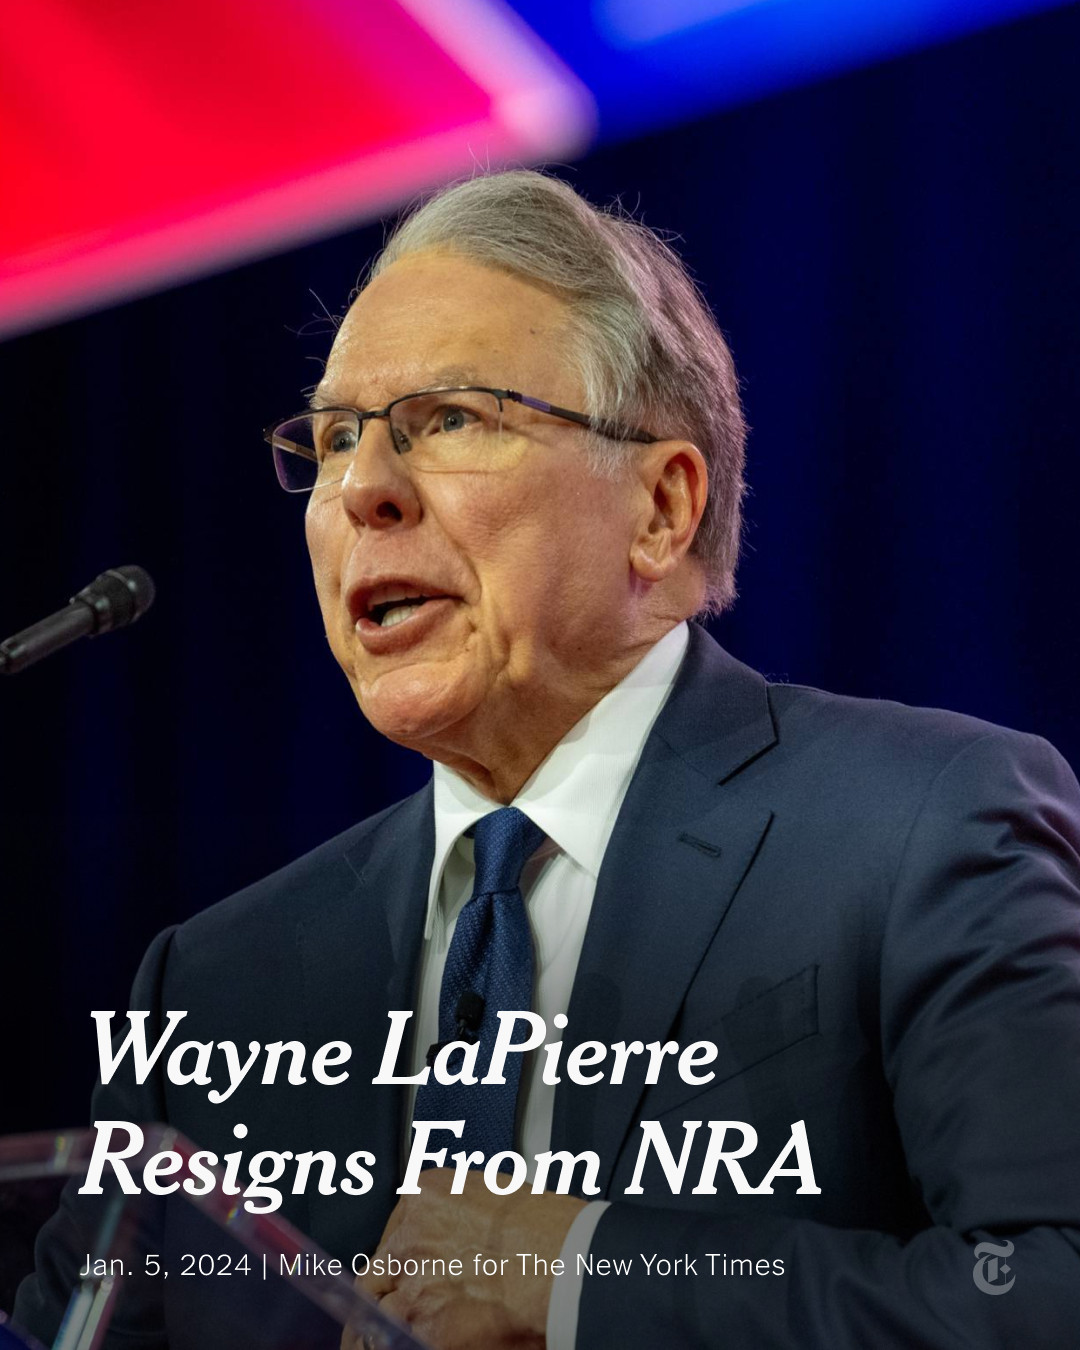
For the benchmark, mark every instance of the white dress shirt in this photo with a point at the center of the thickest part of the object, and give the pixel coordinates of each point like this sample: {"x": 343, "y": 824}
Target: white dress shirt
{"x": 574, "y": 797}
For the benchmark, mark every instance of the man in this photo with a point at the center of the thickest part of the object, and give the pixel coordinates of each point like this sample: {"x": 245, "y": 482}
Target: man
{"x": 525, "y": 465}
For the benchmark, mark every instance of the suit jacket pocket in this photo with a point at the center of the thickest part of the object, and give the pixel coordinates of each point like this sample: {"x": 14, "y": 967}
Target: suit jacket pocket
{"x": 761, "y": 1025}
{"x": 769, "y": 1022}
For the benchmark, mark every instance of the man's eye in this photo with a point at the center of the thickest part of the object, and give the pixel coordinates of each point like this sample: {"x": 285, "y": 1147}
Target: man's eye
{"x": 453, "y": 419}
{"x": 427, "y": 418}
{"x": 339, "y": 439}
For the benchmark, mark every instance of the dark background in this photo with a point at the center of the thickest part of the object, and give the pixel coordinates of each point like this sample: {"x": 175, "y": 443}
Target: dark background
{"x": 895, "y": 255}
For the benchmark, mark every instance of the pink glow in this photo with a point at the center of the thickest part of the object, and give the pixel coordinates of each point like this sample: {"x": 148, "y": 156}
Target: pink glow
{"x": 143, "y": 143}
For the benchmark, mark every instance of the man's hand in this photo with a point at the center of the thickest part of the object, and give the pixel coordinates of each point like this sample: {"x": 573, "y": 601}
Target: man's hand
{"x": 473, "y": 1311}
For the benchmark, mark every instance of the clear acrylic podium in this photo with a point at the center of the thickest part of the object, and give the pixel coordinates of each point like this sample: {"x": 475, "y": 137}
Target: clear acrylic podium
{"x": 152, "y": 1273}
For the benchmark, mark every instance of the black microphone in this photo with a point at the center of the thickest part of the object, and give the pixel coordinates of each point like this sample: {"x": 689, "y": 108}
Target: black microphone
{"x": 469, "y": 1013}
{"x": 116, "y": 598}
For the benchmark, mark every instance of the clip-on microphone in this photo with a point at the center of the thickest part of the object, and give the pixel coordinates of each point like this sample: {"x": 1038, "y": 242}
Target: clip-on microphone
{"x": 469, "y": 1013}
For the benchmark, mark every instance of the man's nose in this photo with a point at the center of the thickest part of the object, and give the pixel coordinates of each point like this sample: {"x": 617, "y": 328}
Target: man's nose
{"x": 377, "y": 491}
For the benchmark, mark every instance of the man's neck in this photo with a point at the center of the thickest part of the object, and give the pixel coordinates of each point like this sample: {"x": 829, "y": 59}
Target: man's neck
{"x": 498, "y": 758}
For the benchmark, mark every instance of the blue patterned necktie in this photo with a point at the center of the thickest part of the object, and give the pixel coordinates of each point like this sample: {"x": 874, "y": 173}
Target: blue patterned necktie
{"x": 490, "y": 956}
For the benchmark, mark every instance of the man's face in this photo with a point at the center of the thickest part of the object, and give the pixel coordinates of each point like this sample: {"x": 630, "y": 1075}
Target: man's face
{"x": 527, "y": 563}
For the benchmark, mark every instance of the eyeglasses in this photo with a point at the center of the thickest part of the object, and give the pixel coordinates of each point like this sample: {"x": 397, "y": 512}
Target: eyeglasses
{"x": 441, "y": 430}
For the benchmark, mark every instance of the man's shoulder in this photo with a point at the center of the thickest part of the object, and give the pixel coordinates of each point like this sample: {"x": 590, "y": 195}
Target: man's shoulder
{"x": 842, "y": 757}
{"x": 801, "y": 729}
{"x": 319, "y": 877}
{"x": 899, "y": 752}
{"x": 808, "y": 715}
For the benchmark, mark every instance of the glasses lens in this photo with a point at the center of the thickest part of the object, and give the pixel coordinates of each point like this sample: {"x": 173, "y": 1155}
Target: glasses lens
{"x": 315, "y": 448}
{"x": 449, "y": 430}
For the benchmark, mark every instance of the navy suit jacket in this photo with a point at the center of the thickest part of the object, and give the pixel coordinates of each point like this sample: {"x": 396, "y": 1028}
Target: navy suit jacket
{"x": 874, "y": 913}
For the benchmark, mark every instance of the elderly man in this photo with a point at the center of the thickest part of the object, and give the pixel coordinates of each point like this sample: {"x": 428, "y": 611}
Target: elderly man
{"x": 525, "y": 468}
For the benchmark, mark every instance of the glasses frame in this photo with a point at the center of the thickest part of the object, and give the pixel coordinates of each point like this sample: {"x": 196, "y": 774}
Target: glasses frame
{"x": 602, "y": 426}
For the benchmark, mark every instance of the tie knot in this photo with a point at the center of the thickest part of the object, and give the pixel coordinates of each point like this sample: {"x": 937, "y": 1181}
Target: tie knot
{"x": 503, "y": 841}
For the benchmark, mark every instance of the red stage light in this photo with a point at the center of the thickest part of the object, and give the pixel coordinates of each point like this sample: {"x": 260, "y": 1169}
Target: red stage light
{"x": 142, "y": 142}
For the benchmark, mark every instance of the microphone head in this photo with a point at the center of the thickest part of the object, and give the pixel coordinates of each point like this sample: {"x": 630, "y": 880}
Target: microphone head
{"x": 140, "y": 585}
{"x": 118, "y": 597}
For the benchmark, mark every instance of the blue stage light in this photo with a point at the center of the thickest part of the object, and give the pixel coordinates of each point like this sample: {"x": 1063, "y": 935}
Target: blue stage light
{"x": 651, "y": 62}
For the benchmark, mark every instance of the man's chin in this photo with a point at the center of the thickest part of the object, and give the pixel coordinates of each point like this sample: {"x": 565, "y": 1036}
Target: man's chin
{"x": 416, "y": 705}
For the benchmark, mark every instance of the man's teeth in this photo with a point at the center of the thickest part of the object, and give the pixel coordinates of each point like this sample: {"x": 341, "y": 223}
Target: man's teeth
{"x": 395, "y": 609}
{"x": 399, "y": 613}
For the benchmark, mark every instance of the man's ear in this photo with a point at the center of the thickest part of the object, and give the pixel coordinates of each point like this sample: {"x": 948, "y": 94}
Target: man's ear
{"x": 673, "y": 484}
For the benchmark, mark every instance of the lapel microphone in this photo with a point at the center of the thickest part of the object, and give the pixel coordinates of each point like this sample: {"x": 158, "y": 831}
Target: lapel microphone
{"x": 468, "y": 1014}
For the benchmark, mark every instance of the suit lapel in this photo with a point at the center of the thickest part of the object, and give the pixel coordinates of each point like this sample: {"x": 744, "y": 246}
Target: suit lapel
{"x": 677, "y": 855}
{"x": 394, "y": 871}
{"x": 360, "y": 946}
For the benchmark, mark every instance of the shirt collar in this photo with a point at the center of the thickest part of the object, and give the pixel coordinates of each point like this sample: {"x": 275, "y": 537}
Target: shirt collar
{"x": 576, "y": 793}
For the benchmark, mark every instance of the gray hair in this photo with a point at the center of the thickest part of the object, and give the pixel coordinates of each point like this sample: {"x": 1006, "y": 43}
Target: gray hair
{"x": 645, "y": 342}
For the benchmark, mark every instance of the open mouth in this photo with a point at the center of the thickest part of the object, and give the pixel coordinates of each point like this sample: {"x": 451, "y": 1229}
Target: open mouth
{"x": 391, "y": 612}
{"x": 388, "y": 605}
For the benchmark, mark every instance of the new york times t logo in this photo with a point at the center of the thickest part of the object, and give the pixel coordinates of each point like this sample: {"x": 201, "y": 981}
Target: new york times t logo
{"x": 989, "y": 1273}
